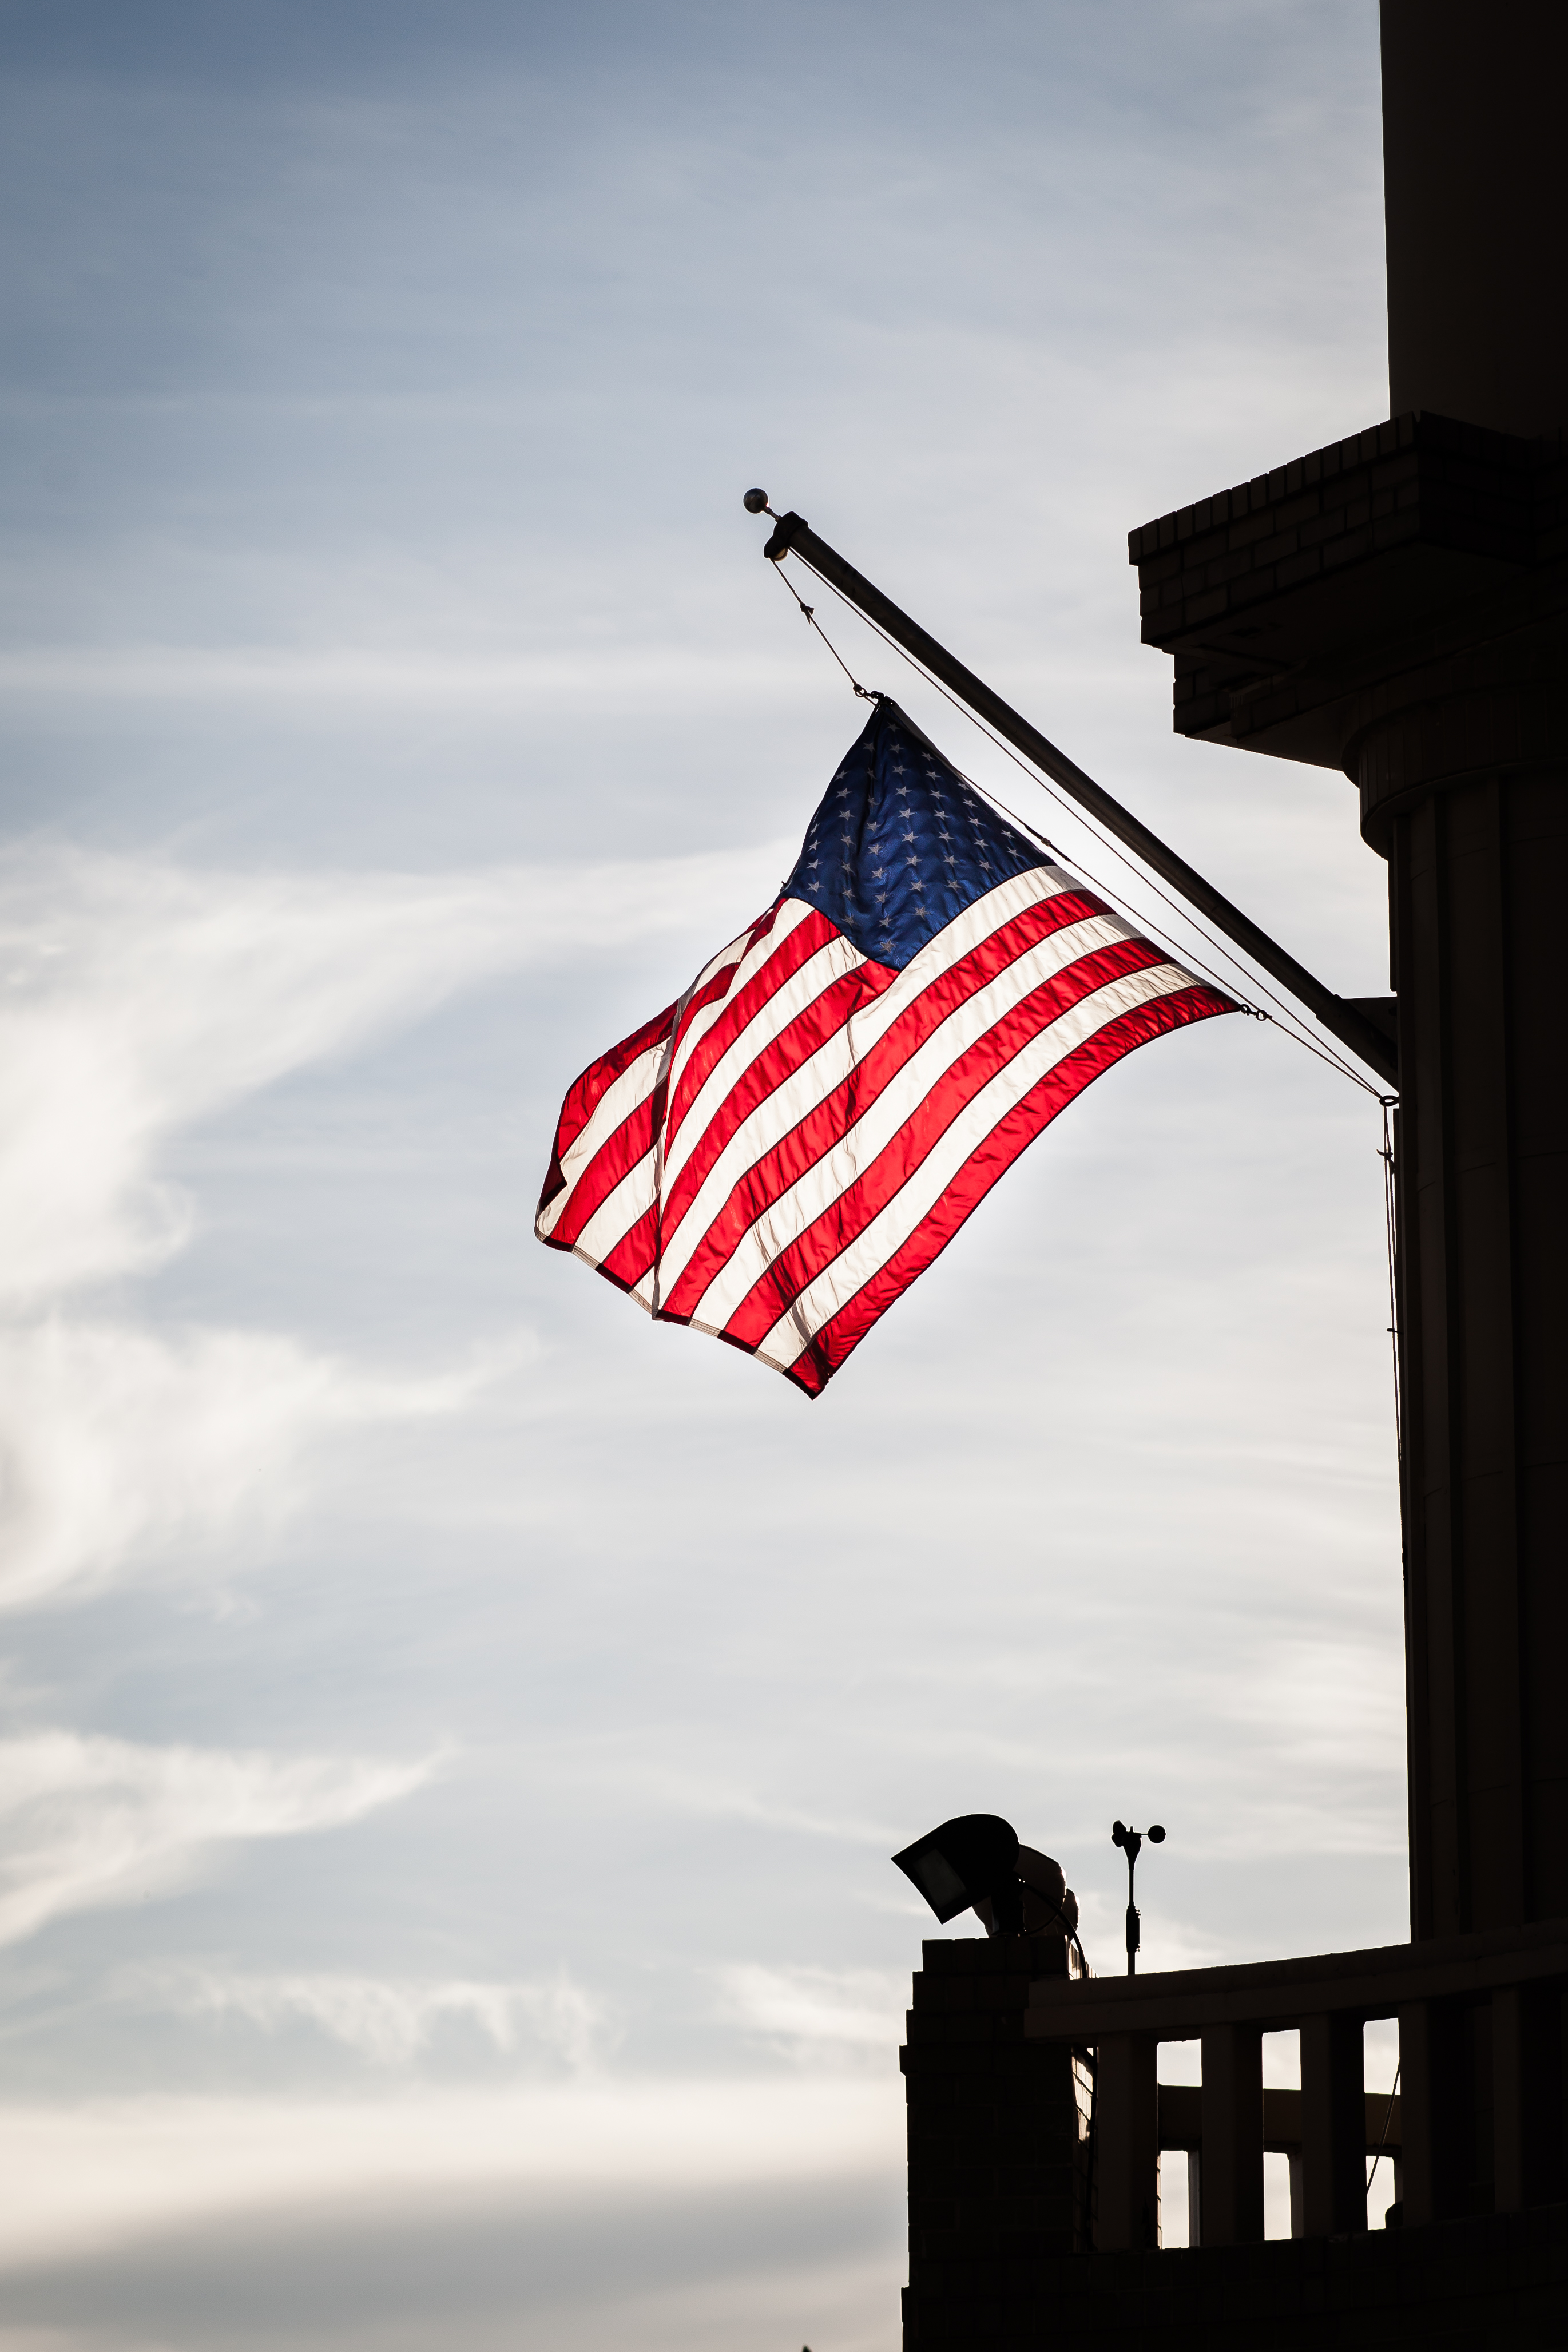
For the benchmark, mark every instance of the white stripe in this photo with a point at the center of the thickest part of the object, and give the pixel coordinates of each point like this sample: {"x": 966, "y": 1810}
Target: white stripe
{"x": 640, "y": 1079}
{"x": 716, "y": 964}
{"x": 619, "y": 1209}
{"x": 978, "y": 922}
{"x": 894, "y": 1224}
{"x": 955, "y": 938}
{"x": 791, "y": 913}
{"x": 831, "y": 962}
{"x": 619, "y": 1098}
{"x": 866, "y": 1026}
{"x": 831, "y": 1064}
{"x": 807, "y": 1087}
{"x": 969, "y": 931}
{"x": 793, "y": 1210}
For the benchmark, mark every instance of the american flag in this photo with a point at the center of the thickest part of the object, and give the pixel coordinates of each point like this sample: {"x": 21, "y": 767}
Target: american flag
{"x": 776, "y": 1156}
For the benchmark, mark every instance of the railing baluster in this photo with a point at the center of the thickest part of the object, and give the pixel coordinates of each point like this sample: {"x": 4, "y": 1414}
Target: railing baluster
{"x": 1483, "y": 2021}
{"x": 1509, "y": 2093}
{"x": 1333, "y": 2125}
{"x": 1233, "y": 2136}
{"x": 1528, "y": 2083}
{"x": 1439, "y": 2084}
{"x": 1127, "y": 2124}
{"x": 1417, "y": 2114}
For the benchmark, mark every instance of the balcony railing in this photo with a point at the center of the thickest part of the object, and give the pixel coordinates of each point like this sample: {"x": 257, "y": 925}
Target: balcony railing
{"x": 1181, "y": 2129}
{"x": 1479, "y": 2125}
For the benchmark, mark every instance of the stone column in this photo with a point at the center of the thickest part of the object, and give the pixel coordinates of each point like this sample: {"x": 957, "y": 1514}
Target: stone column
{"x": 1465, "y": 791}
{"x": 1462, "y": 762}
{"x": 1396, "y": 605}
{"x": 1232, "y": 2203}
{"x": 1334, "y": 2127}
{"x": 998, "y": 2143}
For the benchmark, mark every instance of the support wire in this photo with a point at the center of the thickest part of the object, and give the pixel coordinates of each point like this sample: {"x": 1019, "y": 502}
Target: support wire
{"x": 1296, "y": 1030}
{"x": 1390, "y": 1220}
{"x": 1182, "y": 955}
{"x": 1388, "y": 2118}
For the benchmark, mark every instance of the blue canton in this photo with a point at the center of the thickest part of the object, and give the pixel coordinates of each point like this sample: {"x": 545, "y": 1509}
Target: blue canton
{"x": 901, "y": 845}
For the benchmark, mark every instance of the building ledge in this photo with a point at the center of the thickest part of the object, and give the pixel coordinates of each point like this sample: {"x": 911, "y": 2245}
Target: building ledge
{"x": 1178, "y": 2004}
{"x": 1281, "y": 596}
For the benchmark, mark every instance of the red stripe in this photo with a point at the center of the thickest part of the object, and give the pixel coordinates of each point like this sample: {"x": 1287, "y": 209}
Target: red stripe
{"x": 630, "y": 1142}
{"x": 634, "y": 1253}
{"x": 791, "y": 1156}
{"x": 784, "y": 1055}
{"x": 623, "y": 1149}
{"x": 585, "y": 1094}
{"x": 846, "y": 1218}
{"x": 795, "y": 1154}
{"x": 719, "y": 983}
{"x": 843, "y": 1331}
{"x": 779, "y": 1060}
{"x": 807, "y": 940}
{"x": 627, "y": 1145}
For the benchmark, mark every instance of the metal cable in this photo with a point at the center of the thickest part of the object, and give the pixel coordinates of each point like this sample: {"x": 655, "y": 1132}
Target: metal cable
{"x": 1387, "y": 2119}
{"x": 1296, "y": 1030}
{"x": 864, "y": 692}
{"x": 1182, "y": 955}
{"x": 1390, "y": 1220}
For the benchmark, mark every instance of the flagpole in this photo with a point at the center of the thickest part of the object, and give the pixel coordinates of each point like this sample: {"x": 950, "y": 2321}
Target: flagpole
{"x": 1343, "y": 1018}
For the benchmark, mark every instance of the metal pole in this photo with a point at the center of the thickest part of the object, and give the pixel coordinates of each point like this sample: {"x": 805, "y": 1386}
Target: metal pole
{"x": 1131, "y": 1845}
{"x": 794, "y": 536}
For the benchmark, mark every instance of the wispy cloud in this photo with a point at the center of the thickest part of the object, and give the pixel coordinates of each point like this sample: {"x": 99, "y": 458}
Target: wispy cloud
{"x": 122, "y": 1450}
{"x": 137, "y": 996}
{"x": 392, "y": 2021}
{"x": 816, "y": 2015}
{"x": 86, "y": 1822}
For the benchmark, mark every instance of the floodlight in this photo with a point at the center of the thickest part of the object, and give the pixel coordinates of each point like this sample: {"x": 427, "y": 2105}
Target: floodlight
{"x": 972, "y": 1859}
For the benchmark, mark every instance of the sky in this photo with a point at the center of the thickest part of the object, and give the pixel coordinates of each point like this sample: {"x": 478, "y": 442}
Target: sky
{"x": 453, "y": 1729}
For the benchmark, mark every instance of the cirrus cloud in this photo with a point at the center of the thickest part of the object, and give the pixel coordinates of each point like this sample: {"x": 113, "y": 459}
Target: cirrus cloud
{"x": 89, "y": 1820}
{"x": 392, "y": 2021}
{"x": 138, "y": 996}
{"x": 125, "y": 1451}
